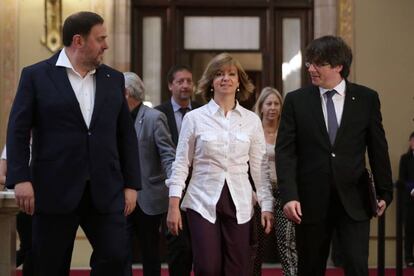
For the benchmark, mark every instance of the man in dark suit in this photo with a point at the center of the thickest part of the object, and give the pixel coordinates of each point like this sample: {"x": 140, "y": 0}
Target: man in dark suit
{"x": 156, "y": 153}
{"x": 406, "y": 178}
{"x": 324, "y": 133}
{"x": 84, "y": 168}
{"x": 180, "y": 83}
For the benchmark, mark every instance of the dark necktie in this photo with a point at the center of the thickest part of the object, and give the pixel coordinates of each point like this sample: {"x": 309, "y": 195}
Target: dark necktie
{"x": 331, "y": 114}
{"x": 183, "y": 111}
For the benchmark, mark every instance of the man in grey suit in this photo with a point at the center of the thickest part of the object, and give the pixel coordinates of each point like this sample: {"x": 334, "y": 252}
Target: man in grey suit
{"x": 156, "y": 153}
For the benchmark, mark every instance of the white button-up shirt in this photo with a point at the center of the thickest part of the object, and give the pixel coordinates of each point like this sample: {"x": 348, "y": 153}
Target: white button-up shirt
{"x": 338, "y": 100}
{"x": 219, "y": 147}
{"x": 84, "y": 87}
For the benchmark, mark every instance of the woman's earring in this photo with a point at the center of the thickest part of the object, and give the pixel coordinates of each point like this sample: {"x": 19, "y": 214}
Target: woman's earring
{"x": 238, "y": 89}
{"x": 211, "y": 89}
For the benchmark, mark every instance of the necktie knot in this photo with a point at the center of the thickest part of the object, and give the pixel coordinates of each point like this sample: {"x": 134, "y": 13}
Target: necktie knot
{"x": 183, "y": 110}
{"x": 330, "y": 93}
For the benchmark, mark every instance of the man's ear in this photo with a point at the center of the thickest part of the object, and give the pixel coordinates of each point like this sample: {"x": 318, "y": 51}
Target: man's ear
{"x": 339, "y": 68}
{"x": 78, "y": 41}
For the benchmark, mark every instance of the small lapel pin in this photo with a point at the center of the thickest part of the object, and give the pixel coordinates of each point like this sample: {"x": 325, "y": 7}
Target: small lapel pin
{"x": 353, "y": 98}
{"x": 107, "y": 75}
{"x": 140, "y": 121}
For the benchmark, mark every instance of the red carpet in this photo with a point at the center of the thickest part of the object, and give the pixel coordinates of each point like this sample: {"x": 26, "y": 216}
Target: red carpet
{"x": 266, "y": 272}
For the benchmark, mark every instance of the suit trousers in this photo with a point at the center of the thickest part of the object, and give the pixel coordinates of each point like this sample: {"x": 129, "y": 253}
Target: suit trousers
{"x": 409, "y": 228}
{"x": 313, "y": 242}
{"x": 147, "y": 230}
{"x": 179, "y": 255}
{"x": 54, "y": 235}
{"x": 220, "y": 248}
{"x": 24, "y": 255}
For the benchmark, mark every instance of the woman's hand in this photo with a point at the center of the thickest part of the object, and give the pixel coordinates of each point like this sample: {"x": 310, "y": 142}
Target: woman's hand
{"x": 174, "y": 222}
{"x": 267, "y": 221}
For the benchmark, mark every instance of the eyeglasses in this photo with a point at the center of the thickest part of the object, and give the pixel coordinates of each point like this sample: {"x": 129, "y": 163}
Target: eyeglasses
{"x": 308, "y": 64}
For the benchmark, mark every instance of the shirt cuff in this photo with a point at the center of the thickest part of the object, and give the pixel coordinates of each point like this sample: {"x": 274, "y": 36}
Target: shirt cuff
{"x": 412, "y": 192}
{"x": 175, "y": 191}
{"x": 267, "y": 206}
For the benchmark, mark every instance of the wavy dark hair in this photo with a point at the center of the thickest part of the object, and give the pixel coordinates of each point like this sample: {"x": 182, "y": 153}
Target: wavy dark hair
{"x": 80, "y": 23}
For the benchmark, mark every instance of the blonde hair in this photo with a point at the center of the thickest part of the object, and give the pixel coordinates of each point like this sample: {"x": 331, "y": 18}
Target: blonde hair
{"x": 263, "y": 96}
{"x": 205, "y": 83}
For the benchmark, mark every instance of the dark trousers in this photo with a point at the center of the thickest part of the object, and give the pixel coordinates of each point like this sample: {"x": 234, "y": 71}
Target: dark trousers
{"x": 54, "y": 235}
{"x": 409, "y": 229}
{"x": 24, "y": 255}
{"x": 179, "y": 254}
{"x": 223, "y": 247}
{"x": 313, "y": 242}
{"x": 147, "y": 230}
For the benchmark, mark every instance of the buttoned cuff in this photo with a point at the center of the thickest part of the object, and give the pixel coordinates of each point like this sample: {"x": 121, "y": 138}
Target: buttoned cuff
{"x": 412, "y": 192}
{"x": 175, "y": 191}
{"x": 267, "y": 206}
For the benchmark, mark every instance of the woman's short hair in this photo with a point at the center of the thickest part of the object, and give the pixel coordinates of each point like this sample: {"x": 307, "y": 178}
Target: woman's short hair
{"x": 134, "y": 86}
{"x": 205, "y": 84}
{"x": 262, "y": 97}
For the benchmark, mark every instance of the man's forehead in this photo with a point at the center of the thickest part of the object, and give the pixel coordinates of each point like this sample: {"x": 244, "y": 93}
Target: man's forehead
{"x": 183, "y": 74}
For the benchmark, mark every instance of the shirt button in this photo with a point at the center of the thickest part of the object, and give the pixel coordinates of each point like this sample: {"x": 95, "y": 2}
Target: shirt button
{"x": 89, "y": 133}
{"x": 333, "y": 154}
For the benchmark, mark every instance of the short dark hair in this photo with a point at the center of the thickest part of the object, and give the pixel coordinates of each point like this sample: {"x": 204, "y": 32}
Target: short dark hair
{"x": 79, "y": 23}
{"x": 330, "y": 49}
{"x": 174, "y": 69}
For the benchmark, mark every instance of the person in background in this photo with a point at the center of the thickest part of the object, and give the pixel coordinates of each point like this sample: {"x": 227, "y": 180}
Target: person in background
{"x": 218, "y": 140}
{"x": 180, "y": 84}
{"x": 406, "y": 176}
{"x": 325, "y": 131}
{"x": 84, "y": 168}
{"x": 269, "y": 107}
{"x": 156, "y": 153}
{"x": 24, "y": 255}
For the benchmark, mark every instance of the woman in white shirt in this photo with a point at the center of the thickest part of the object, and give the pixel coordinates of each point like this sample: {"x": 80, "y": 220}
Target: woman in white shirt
{"x": 269, "y": 108}
{"x": 220, "y": 140}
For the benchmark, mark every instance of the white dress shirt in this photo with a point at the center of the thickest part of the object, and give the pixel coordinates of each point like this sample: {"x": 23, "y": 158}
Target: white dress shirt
{"x": 4, "y": 154}
{"x": 219, "y": 147}
{"x": 177, "y": 114}
{"x": 84, "y": 87}
{"x": 338, "y": 99}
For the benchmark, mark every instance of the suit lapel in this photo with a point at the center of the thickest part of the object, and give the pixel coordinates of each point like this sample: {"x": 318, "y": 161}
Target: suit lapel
{"x": 101, "y": 80}
{"x": 172, "y": 123}
{"x": 348, "y": 111}
{"x": 59, "y": 77}
{"x": 316, "y": 107}
{"x": 140, "y": 120}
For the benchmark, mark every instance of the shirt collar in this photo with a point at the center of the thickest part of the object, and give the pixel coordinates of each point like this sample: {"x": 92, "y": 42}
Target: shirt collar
{"x": 213, "y": 107}
{"x": 176, "y": 106}
{"x": 340, "y": 88}
{"x": 63, "y": 61}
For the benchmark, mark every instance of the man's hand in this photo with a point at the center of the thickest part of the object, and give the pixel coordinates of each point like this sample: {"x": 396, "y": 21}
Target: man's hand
{"x": 267, "y": 221}
{"x": 293, "y": 211}
{"x": 382, "y": 205}
{"x": 130, "y": 200}
{"x": 174, "y": 222}
{"x": 25, "y": 197}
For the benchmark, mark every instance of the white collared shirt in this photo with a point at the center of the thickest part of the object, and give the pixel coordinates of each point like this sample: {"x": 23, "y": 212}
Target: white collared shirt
{"x": 177, "y": 114}
{"x": 4, "y": 154}
{"x": 84, "y": 87}
{"x": 219, "y": 147}
{"x": 338, "y": 100}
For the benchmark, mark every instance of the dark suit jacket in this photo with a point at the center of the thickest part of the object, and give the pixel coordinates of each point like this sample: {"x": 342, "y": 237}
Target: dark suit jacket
{"x": 406, "y": 171}
{"x": 167, "y": 109}
{"x": 65, "y": 153}
{"x": 307, "y": 162}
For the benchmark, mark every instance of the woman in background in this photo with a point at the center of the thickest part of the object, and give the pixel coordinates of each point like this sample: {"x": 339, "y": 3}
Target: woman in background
{"x": 220, "y": 140}
{"x": 269, "y": 108}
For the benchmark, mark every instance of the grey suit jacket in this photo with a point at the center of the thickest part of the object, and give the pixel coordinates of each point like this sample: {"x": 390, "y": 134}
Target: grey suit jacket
{"x": 156, "y": 153}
